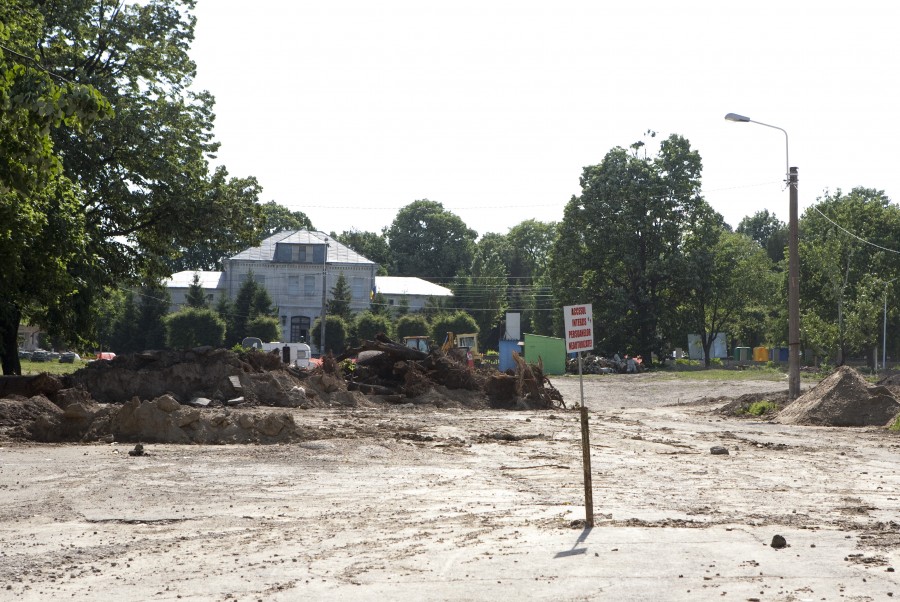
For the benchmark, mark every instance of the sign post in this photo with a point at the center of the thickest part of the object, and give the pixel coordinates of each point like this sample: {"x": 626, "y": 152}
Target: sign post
{"x": 579, "y": 328}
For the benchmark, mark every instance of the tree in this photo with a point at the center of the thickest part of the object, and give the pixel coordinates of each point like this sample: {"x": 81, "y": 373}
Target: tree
{"x": 154, "y": 307}
{"x": 42, "y": 227}
{"x": 458, "y": 322}
{"x": 251, "y": 302}
{"x": 529, "y": 244}
{"x": 429, "y": 242}
{"x": 125, "y": 334}
{"x": 196, "y": 298}
{"x": 369, "y": 324}
{"x": 194, "y": 327}
{"x": 767, "y": 230}
{"x": 277, "y": 218}
{"x": 134, "y": 191}
{"x": 379, "y": 305}
{"x": 336, "y": 333}
{"x": 341, "y": 300}
{"x": 619, "y": 242}
{"x": 483, "y": 294}
{"x": 725, "y": 274}
{"x": 370, "y": 245}
{"x": 849, "y": 250}
{"x": 264, "y": 328}
{"x": 412, "y": 325}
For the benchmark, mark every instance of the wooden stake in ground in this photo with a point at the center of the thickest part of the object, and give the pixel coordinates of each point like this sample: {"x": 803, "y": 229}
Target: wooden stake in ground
{"x": 586, "y": 455}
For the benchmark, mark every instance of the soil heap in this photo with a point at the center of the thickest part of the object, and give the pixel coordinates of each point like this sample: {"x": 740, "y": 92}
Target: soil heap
{"x": 844, "y": 398}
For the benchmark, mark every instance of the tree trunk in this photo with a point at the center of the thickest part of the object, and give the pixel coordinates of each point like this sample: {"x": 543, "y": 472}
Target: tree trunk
{"x": 9, "y": 340}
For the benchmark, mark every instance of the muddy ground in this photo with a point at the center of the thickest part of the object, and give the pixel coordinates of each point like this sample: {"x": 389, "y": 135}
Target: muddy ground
{"x": 412, "y": 502}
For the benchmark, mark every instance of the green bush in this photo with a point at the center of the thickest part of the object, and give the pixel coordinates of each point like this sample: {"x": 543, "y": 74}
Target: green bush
{"x": 264, "y": 328}
{"x": 458, "y": 323}
{"x": 193, "y": 327}
{"x": 369, "y": 324}
{"x": 412, "y": 325}
{"x": 336, "y": 334}
{"x": 895, "y": 426}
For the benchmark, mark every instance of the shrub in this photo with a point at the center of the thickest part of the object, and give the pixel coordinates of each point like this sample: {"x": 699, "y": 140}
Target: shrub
{"x": 758, "y": 408}
{"x": 193, "y": 327}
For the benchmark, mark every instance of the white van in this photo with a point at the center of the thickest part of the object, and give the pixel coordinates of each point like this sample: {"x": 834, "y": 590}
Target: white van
{"x": 300, "y": 352}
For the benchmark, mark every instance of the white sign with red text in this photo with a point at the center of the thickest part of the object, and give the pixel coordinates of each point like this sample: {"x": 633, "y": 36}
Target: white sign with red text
{"x": 579, "y": 326}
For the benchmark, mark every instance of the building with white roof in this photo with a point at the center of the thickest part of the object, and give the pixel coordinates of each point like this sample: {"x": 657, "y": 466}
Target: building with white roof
{"x": 296, "y": 268}
{"x": 414, "y": 290}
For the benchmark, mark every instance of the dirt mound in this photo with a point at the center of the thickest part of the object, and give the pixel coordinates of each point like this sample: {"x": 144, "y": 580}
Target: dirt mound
{"x": 843, "y": 399}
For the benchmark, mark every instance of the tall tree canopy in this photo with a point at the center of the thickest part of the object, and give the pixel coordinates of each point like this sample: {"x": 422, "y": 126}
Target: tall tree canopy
{"x": 277, "y": 218}
{"x": 850, "y": 249}
{"x": 143, "y": 193}
{"x": 619, "y": 244}
{"x": 770, "y": 232}
{"x": 370, "y": 245}
{"x": 42, "y": 228}
{"x": 430, "y": 242}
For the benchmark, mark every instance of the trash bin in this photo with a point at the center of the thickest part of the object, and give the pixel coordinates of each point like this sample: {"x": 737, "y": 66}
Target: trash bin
{"x": 742, "y": 354}
{"x": 760, "y": 354}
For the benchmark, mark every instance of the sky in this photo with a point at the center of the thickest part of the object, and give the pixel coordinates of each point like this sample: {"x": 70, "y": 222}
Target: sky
{"x": 349, "y": 110}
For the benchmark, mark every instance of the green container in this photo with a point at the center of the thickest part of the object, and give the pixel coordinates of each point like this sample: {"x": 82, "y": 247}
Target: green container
{"x": 742, "y": 354}
{"x": 550, "y": 350}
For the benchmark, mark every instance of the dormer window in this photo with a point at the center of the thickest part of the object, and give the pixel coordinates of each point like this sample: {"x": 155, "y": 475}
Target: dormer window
{"x": 297, "y": 253}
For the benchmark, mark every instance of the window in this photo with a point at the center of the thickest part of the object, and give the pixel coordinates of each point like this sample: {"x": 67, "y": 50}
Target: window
{"x": 359, "y": 288}
{"x": 294, "y": 285}
{"x": 309, "y": 285}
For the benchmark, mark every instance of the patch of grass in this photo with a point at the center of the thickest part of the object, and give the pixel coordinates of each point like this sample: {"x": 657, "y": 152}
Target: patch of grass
{"x": 751, "y": 373}
{"x": 56, "y": 368}
{"x": 895, "y": 426}
{"x": 758, "y": 408}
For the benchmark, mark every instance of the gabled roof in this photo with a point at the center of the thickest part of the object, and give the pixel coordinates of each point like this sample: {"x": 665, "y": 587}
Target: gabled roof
{"x": 337, "y": 253}
{"x": 399, "y": 285}
{"x": 186, "y": 279}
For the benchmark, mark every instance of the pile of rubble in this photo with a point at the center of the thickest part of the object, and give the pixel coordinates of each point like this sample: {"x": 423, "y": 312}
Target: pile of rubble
{"x": 844, "y": 398}
{"x": 211, "y": 395}
{"x": 595, "y": 364}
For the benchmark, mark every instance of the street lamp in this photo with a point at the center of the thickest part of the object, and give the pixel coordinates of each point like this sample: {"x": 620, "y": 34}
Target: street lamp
{"x": 884, "y": 334}
{"x": 793, "y": 265}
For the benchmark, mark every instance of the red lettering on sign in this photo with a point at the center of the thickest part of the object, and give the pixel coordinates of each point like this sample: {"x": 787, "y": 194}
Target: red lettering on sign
{"x": 579, "y": 311}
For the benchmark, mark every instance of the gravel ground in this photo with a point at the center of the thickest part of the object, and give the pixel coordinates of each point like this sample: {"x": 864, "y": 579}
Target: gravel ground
{"x": 411, "y": 503}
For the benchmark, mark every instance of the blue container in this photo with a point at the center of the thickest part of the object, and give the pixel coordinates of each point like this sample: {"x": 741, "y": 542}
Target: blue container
{"x": 783, "y": 354}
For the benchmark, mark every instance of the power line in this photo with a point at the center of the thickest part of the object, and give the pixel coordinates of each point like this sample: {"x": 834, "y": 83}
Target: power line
{"x": 860, "y": 239}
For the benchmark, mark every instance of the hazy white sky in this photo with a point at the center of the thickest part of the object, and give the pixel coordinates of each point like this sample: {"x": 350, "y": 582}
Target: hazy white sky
{"x": 349, "y": 110}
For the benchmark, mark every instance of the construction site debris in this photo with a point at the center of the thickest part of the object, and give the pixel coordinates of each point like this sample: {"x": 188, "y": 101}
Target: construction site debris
{"x": 595, "y": 364}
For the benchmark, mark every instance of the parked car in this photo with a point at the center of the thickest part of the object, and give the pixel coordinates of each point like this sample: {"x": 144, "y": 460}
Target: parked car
{"x": 39, "y": 355}
{"x": 24, "y": 355}
{"x": 69, "y": 357}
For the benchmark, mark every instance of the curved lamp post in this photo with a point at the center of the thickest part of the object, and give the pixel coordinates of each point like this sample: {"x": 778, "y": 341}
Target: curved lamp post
{"x": 793, "y": 265}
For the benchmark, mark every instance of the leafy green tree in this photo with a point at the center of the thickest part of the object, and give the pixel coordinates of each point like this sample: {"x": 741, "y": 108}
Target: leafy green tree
{"x": 430, "y": 242}
{"x": 341, "y": 300}
{"x": 848, "y": 245}
{"x": 402, "y": 307}
{"x": 194, "y": 327}
{"x": 251, "y": 302}
{"x": 483, "y": 294}
{"x": 264, "y": 328}
{"x": 277, "y": 218}
{"x": 370, "y": 245}
{"x": 134, "y": 191}
{"x": 42, "y": 226}
{"x": 154, "y": 307}
{"x": 767, "y": 230}
{"x": 196, "y": 298}
{"x": 125, "y": 335}
{"x": 337, "y": 333}
{"x": 369, "y": 324}
{"x": 529, "y": 245}
{"x": 412, "y": 325}
{"x": 725, "y": 274}
{"x": 619, "y": 244}
{"x": 458, "y": 322}
{"x": 379, "y": 305}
